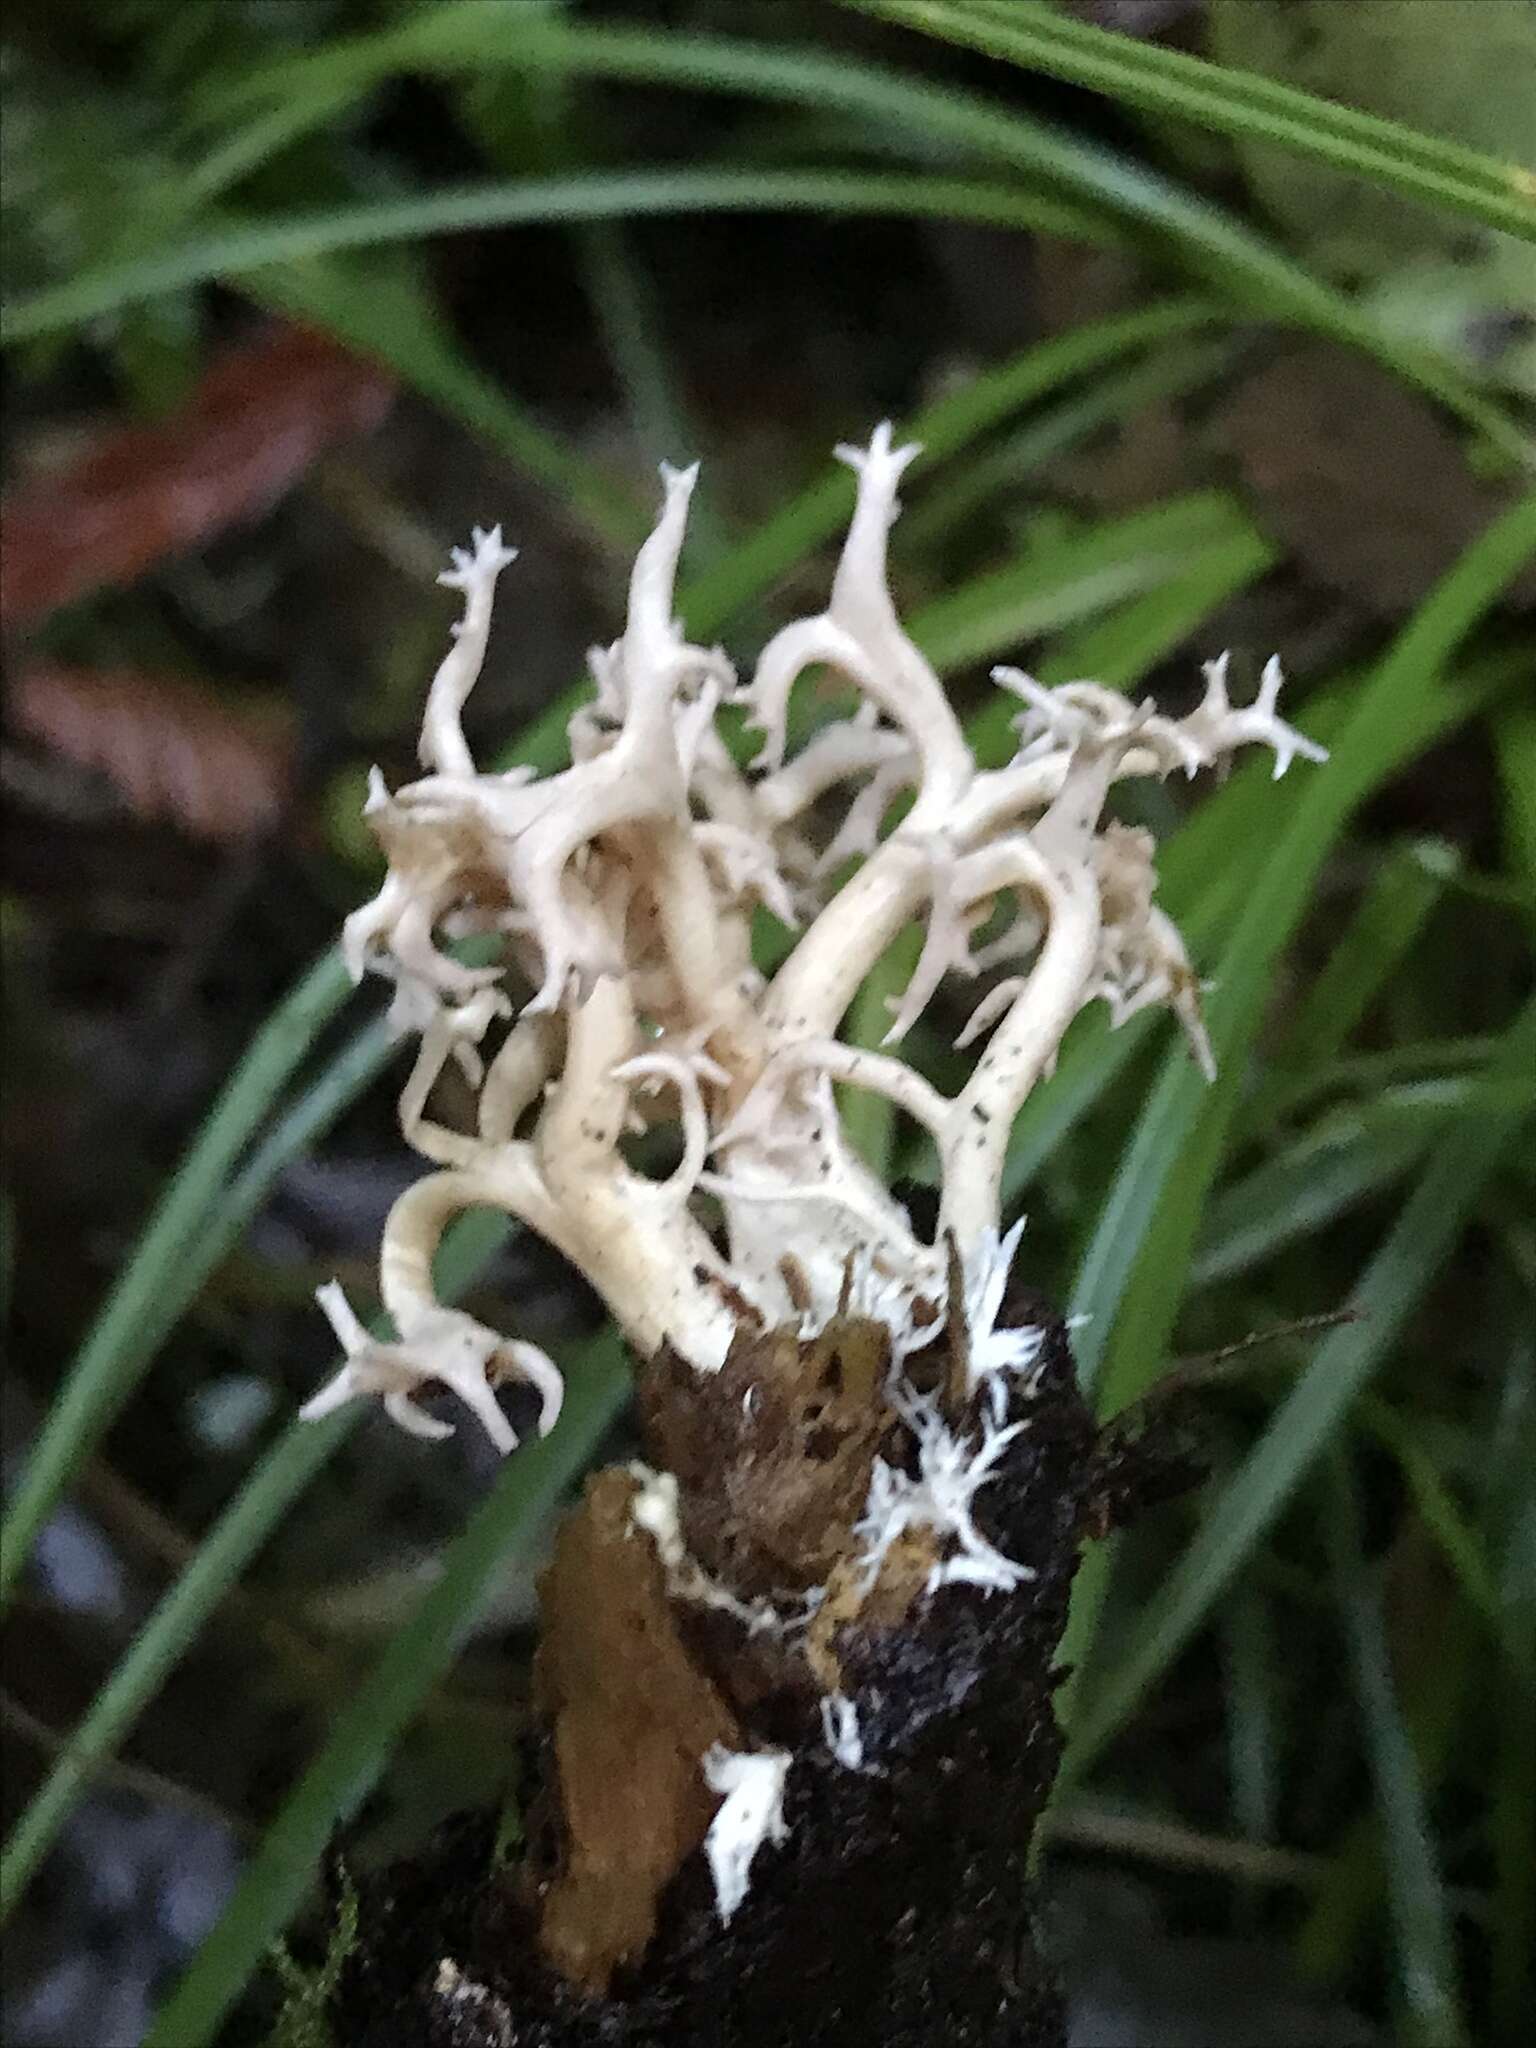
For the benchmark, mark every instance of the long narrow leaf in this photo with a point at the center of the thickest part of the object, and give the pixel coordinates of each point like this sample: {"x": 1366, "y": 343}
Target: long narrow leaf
{"x": 151, "y": 1292}
{"x": 1312, "y": 1182}
{"x": 1247, "y": 1505}
{"x": 1461, "y": 1541}
{"x": 279, "y": 1478}
{"x": 1421, "y": 1917}
{"x": 1099, "y": 188}
{"x": 1133, "y": 1270}
{"x": 1516, "y": 740}
{"x": 245, "y": 251}
{"x": 281, "y": 1874}
{"x": 1164, "y": 374}
{"x": 1045, "y": 590}
{"x": 1232, "y": 102}
{"x": 1404, "y": 890}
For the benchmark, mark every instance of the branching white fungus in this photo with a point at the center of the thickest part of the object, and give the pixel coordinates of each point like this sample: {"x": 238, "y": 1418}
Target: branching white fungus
{"x": 622, "y": 891}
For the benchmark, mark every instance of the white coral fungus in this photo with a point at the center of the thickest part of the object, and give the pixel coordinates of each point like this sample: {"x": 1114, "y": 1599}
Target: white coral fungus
{"x": 751, "y": 1813}
{"x": 952, "y": 1469}
{"x": 617, "y": 897}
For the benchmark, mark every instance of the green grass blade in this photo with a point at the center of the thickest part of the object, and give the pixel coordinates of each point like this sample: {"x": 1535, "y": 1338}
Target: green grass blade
{"x": 1047, "y": 589}
{"x": 1404, "y": 890}
{"x": 279, "y": 1877}
{"x": 1133, "y": 1269}
{"x": 1512, "y": 1828}
{"x": 1509, "y": 1526}
{"x": 1231, "y": 102}
{"x": 1368, "y": 1073}
{"x": 375, "y": 305}
{"x": 1085, "y": 189}
{"x": 1253, "y": 1736}
{"x": 1421, "y": 1916}
{"x": 1436, "y": 1694}
{"x": 157, "y": 1283}
{"x": 1461, "y": 1542}
{"x": 1247, "y": 1505}
{"x": 242, "y": 252}
{"x": 277, "y": 1481}
{"x": 1515, "y": 739}
{"x": 1311, "y": 1183}
{"x": 1164, "y": 374}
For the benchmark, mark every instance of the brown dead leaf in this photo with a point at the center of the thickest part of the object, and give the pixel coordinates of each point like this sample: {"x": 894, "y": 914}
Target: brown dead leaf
{"x": 258, "y": 419}
{"x": 172, "y": 749}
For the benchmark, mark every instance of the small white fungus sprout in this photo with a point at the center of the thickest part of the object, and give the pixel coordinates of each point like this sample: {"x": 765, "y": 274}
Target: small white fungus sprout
{"x": 621, "y": 892}
{"x": 751, "y": 1813}
{"x": 952, "y": 1469}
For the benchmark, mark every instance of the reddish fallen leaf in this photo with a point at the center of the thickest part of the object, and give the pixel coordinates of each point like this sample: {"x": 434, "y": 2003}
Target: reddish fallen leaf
{"x": 173, "y": 750}
{"x": 258, "y": 419}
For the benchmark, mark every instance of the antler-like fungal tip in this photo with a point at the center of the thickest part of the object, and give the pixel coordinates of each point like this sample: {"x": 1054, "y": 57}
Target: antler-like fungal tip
{"x": 1215, "y": 673}
{"x": 879, "y": 462}
{"x": 403, "y": 1412}
{"x": 480, "y": 563}
{"x": 332, "y": 1301}
{"x": 529, "y": 1363}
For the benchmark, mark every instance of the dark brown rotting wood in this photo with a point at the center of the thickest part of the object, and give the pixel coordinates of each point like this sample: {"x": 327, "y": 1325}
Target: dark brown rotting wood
{"x": 899, "y": 1910}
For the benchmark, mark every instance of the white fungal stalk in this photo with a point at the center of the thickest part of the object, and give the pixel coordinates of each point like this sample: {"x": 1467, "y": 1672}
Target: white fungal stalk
{"x": 621, "y": 893}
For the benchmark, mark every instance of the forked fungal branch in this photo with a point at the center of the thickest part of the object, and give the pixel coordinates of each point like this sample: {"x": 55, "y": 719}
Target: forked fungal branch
{"x": 621, "y": 893}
